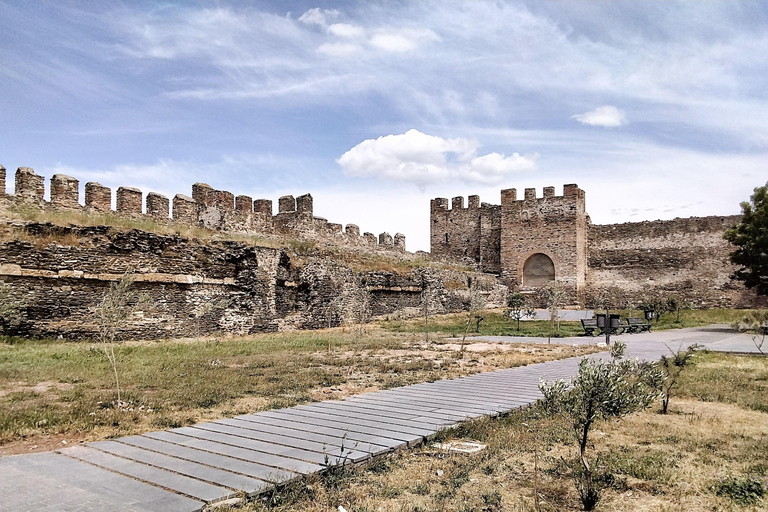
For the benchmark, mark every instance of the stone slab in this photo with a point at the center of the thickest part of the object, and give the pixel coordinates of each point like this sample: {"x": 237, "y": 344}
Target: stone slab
{"x": 159, "y": 477}
{"x": 289, "y": 434}
{"x": 188, "y": 468}
{"x": 255, "y": 445}
{"x": 51, "y": 482}
{"x": 334, "y": 431}
{"x": 276, "y": 461}
{"x": 290, "y": 442}
{"x": 232, "y": 464}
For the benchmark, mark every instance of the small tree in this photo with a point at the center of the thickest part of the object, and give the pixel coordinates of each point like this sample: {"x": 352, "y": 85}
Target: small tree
{"x": 654, "y": 304}
{"x": 517, "y": 308}
{"x": 602, "y": 390}
{"x": 11, "y": 310}
{"x": 119, "y": 302}
{"x": 553, "y": 295}
{"x": 476, "y": 303}
{"x": 750, "y": 239}
{"x": 669, "y": 370}
{"x": 755, "y": 323}
{"x": 676, "y": 305}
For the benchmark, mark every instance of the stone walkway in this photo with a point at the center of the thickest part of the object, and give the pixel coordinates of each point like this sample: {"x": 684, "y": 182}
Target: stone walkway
{"x": 185, "y": 469}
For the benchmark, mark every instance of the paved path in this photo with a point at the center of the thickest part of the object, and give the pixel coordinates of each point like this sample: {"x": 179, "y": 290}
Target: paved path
{"x": 186, "y": 468}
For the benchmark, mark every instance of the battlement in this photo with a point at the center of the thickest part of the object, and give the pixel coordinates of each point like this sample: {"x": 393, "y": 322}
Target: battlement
{"x": 214, "y": 209}
{"x": 571, "y": 192}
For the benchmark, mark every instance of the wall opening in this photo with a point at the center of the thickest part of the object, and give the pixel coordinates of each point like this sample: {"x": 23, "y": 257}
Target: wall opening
{"x": 538, "y": 270}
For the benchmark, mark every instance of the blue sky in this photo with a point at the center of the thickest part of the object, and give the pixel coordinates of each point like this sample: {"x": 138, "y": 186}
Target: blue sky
{"x": 656, "y": 109}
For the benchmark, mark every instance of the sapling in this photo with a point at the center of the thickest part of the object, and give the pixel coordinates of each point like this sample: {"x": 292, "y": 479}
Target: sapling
{"x": 119, "y": 302}
{"x": 602, "y": 390}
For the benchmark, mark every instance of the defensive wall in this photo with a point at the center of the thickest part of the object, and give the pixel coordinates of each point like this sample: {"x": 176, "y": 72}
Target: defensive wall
{"x": 58, "y": 275}
{"x": 533, "y": 240}
{"x": 218, "y": 210}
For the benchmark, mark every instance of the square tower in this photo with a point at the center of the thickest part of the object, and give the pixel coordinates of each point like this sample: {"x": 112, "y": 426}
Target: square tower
{"x": 544, "y": 239}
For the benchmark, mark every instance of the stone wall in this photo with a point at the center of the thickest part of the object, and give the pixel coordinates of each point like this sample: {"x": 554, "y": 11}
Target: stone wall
{"x": 555, "y": 226}
{"x": 687, "y": 258}
{"x": 218, "y": 210}
{"x": 470, "y": 235}
{"x": 533, "y": 240}
{"x": 59, "y": 274}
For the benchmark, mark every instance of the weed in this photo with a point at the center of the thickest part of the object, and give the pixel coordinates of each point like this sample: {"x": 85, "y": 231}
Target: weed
{"x": 745, "y": 490}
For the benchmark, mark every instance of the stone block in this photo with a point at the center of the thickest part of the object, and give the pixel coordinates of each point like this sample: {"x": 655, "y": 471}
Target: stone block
{"x": 244, "y": 204}
{"x": 65, "y": 191}
{"x": 530, "y": 194}
{"x": 385, "y": 240}
{"x": 157, "y": 206}
{"x": 400, "y": 241}
{"x": 508, "y": 195}
{"x": 369, "y": 238}
{"x": 128, "y": 201}
{"x": 304, "y": 205}
{"x": 353, "y": 230}
{"x": 2, "y": 180}
{"x": 200, "y": 192}
{"x": 334, "y": 228}
{"x": 98, "y": 197}
{"x": 263, "y": 207}
{"x": 474, "y": 202}
{"x": 30, "y": 187}
{"x": 457, "y": 203}
{"x": 184, "y": 209}
{"x": 549, "y": 192}
{"x": 286, "y": 204}
{"x": 220, "y": 199}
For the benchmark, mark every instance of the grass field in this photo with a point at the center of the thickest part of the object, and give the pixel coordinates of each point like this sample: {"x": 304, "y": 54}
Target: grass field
{"x": 495, "y": 323}
{"x": 709, "y": 454}
{"x": 58, "y": 391}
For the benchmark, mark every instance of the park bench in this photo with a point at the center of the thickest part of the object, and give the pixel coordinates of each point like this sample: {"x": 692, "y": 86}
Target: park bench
{"x": 590, "y": 326}
{"x": 637, "y": 325}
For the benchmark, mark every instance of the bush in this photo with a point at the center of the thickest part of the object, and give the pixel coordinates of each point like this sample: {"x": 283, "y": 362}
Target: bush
{"x": 745, "y": 490}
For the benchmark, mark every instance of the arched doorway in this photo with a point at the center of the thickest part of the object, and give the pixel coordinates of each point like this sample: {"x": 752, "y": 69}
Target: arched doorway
{"x": 538, "y": 270}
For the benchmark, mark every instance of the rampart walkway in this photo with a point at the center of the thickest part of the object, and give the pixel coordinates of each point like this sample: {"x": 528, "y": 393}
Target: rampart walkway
{"x": 186, "y": 468}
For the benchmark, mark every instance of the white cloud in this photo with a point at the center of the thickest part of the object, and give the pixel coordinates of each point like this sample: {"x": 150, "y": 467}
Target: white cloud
{"x": 346, "y": 30}
{"x": 607, "y": 116}
{"x": 318, "y": 16}
{"x": 403, "y": 40}
{"x": 339, "y": 49}
{"x": 425, "y": 159}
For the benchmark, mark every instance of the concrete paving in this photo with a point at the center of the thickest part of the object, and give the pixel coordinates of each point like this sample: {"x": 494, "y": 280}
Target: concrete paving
{"x": 185, "y": 469}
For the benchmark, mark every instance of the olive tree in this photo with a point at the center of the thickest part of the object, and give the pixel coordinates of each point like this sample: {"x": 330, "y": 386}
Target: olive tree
{"x": 603, "y": 390}
{"x": 517, "y": 307}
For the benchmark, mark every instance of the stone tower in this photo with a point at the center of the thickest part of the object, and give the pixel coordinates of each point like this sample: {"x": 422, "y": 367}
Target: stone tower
{"x": 544, "y": 239}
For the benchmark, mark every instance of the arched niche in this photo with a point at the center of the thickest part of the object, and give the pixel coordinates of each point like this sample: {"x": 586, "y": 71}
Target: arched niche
{"x": 538, "y": 270}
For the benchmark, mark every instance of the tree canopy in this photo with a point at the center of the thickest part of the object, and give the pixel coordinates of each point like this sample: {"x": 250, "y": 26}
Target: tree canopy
{"x": 750, "y": 239}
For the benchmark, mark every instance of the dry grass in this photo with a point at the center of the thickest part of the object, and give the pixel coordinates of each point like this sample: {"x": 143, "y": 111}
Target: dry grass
{"x": 64, "y": 391}
{"x": 656, "y": 462}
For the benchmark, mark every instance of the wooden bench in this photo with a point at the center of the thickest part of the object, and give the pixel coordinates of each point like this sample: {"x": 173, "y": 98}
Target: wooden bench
{"x": 590, "y": 326}
{"x": 637, "y": 325}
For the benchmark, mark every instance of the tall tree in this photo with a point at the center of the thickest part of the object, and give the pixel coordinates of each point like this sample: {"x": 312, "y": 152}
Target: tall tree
{"x": 750, "y": 237}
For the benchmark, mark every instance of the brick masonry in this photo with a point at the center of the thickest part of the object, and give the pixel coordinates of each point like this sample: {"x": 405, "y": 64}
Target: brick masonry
{"x": 58, "y": 284}
{"x": 687, "y": 258}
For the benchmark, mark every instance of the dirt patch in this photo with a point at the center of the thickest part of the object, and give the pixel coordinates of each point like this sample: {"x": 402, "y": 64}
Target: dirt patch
{"x": 41, "y": 388}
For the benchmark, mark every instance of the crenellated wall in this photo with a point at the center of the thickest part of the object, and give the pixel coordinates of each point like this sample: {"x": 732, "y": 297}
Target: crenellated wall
{"x": 535, "y": 240}
{"x": 59, "y": 274}
{"x": 218, "y": 210}
{"x": 469, "y": 234}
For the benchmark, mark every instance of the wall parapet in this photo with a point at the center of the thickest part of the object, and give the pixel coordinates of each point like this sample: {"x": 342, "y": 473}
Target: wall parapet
{"x": 215, "y": 209}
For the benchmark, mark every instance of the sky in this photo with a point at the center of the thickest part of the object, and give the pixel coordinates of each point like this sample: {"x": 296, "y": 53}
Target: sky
{"x": 657, "y": 109}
